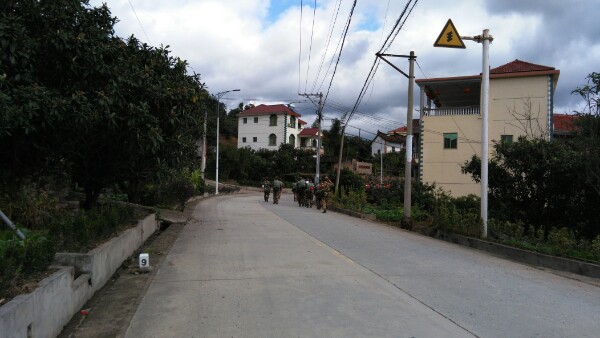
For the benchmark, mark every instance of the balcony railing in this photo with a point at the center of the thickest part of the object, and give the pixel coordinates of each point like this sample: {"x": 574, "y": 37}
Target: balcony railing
{"x": 445, "y": 111}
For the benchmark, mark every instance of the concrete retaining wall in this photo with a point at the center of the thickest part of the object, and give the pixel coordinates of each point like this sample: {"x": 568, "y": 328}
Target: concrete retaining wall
{"x": 45, "y": 311}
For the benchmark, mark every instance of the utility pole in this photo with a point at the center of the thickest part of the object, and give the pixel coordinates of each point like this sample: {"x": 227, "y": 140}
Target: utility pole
{"x": 447, "y": 39}
{"x": 319, "y": 139}
{"x": 409, "y": 118}
{"x": 339, "y": 166}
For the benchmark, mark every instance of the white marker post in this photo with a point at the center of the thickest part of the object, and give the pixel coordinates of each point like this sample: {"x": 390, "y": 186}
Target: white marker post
{"x": 144, "y": 261}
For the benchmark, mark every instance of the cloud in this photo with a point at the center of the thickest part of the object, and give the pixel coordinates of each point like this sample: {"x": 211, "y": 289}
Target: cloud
{"x": 254, "y": 45}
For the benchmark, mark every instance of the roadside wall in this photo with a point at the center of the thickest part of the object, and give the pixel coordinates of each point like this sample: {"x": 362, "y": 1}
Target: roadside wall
{"x": 45, "y": 311}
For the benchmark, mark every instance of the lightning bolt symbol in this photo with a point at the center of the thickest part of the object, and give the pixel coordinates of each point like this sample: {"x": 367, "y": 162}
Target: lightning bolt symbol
{"x": 449, "y": 37}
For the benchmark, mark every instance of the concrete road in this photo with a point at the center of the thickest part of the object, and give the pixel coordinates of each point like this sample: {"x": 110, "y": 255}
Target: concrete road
{"x": 248, "y": 268}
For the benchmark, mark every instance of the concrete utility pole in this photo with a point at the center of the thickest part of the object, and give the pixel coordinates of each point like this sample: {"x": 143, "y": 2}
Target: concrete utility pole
{"x": 485, "y": 40}
{"x": 319, "y": 139}
{"x": 339, "y": 167}
{"x": 409, "y": 136}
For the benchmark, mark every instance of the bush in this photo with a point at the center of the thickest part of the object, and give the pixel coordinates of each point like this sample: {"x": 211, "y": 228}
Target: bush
{"x": 33, "y": 206}
{"x": 23, "y": 257}
{"x": 456, "y": 215}
{"x": 77, "y": 232}
{"x": 353, "y": 200}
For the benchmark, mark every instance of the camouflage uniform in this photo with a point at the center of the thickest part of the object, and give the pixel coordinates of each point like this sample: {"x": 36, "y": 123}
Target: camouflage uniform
{"x": 300, "y": 190}
{"x": 325, "y": 187}
{"x": 277, "y": 188}
{"x": 308, "y": 194}
{"x": 267, "y": 189}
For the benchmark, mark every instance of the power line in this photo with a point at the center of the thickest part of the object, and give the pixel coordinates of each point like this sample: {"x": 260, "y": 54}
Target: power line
{"x": 312, "y": 30}
{"x": 138, "y": 19}
{"x": 341, "y": 49}
{"x": 336, "y": 12}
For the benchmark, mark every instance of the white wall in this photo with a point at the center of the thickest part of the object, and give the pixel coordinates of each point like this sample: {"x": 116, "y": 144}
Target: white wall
{"x": 262, "y": 129}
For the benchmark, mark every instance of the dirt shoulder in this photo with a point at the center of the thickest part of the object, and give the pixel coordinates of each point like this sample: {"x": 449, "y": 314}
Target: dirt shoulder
{"x": 110, "y": 310}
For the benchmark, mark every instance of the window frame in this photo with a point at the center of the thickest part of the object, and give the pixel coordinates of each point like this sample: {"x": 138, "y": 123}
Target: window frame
{"x": 507, "y": 139}
{"x": 448, "y": 141}
{"x": 273, "y": 120}
{"x": 272, "y": 140}
{"x": 256, "y": 119}
{"x": 245, "y": 120}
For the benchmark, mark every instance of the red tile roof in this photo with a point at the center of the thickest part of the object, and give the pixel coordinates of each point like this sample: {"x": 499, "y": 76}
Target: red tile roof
{"x": 301, "y": 122}
{"x": 514, "y": 68}
{"x": 564, "y": 123}
{"x": 264, "y": 109}
{"x": 396, "y": 138}
{"x": 519, "y": 66}
{"x": 403, "y": 129}
{"x": 309, "y": 132}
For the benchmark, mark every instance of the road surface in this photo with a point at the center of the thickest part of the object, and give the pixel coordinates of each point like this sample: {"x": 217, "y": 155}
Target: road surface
{"x": 247, "y": 268}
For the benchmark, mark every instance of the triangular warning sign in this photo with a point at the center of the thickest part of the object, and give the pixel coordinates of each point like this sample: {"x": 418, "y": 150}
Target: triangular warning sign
{"x": 449, "y": 37}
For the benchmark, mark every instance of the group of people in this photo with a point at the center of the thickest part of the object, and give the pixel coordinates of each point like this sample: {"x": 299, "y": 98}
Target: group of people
{"x": 306, "y": 193}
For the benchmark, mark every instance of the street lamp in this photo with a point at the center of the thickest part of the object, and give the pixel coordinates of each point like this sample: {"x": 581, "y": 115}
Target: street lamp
{"x": 218, "y": 96}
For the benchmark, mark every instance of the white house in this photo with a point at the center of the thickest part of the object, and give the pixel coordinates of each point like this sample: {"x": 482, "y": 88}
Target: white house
{"x": 309, "y": 139}
{"x": 384, "y": 143}
{"x": 268, "y": 126}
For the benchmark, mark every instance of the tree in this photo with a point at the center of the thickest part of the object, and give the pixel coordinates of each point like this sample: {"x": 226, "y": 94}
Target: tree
{"x": 540, "y": 183}
{"x": 78, "y": 98}
{"x": 588, "y": 133}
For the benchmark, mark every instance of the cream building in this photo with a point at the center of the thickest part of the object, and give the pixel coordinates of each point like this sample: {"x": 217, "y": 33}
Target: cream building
{"x": 520, "y": 103}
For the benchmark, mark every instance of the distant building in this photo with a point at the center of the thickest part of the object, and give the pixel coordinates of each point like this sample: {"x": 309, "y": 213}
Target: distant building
{"x": 385, "y": 143}
{"x": 361, "y": 168}
{"x": 521, "y": 100}
{"x": 563, "y": 125}
{"x": 269, "y": 126}
{"x": 309, "y": 139}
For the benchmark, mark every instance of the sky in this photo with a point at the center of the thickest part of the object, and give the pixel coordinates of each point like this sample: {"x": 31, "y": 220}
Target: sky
{"x": 274, "y": 49}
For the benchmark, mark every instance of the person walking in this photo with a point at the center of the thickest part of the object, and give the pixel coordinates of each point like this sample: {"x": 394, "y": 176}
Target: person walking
{"x": 300, "y": 190}
{"x": 308, "y": 194}
{"x": 266, "y": 188}
{"x": 277, "y": 188}
{"x": 325, "y": 187}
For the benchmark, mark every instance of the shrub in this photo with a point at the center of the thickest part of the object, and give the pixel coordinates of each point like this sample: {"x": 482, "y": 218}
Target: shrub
{"x": 23, "y": 257}
{"x": 33, "y": 206}
{"x": 78, "y": 231}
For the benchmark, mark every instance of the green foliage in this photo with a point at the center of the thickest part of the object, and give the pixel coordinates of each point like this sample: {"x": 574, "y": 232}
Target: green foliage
{"x": 395, "y": 214}
{"x": 393, "y": 163}
{"x": 18, "y": 257}
{"x": 456, "y": 215}
{"x": 560, "y": 242}
{"x": 540, "y": 183}
{"x": 352, "y": 200}
{"x": 78, "y": 99}
{"x": 349, "y": 181}
{"x": 33, "y": 206}
{"x": 77, "y": 231}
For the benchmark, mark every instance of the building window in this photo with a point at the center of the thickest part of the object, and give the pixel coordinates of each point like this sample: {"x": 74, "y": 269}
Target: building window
{"x": 245, "y": 120}
{"x": 393, "y": 149}
{"x": 314, "y": 143}
{"x": 293, "y": 140}
{"x": 272, "y": 140}
{"x": 256, "y": 119}
{"x": 292, "y": 121}
{"x": 302, "y": 142}
{"x": 243, "y": 140}
{"x": 255, "y": 139}
{"x": 508, "y": 139}
{"x": 273, "y": 120}
{"x": 450, "y": 140}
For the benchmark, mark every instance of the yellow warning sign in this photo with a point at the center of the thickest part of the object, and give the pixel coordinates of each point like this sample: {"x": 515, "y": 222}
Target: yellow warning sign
{"x": 449, "y": 37}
